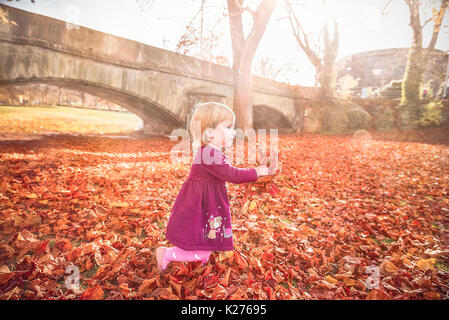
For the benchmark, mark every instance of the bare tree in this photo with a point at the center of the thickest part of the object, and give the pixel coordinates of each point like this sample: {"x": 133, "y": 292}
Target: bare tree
{"x": 322, "y": 60}
{"x": 243, "y": 50}
{"x": 200, "y": 40}
{"x": 417, "y": 58}
{"x": 266, "y": 68}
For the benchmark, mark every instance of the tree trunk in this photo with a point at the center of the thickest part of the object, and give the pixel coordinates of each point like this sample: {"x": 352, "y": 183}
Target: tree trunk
{"x": 413, "y": 77}
{"x": 413, "y": 72}
{"x": 325, "y": 91}
{"x": 243, "y": 50}
{"x": 243, "y": 108}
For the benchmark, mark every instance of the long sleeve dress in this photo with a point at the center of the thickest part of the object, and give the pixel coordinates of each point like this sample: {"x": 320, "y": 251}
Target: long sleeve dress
{"x": 200, "y": 218}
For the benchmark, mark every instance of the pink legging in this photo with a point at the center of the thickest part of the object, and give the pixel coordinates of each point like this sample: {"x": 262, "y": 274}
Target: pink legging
{"x": 177, "y": 254}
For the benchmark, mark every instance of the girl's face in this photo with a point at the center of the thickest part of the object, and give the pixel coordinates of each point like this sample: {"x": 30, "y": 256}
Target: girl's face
{"x": 223, "y": 135}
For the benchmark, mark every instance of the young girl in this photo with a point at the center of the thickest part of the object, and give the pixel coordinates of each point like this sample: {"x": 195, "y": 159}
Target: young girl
{"x": 200, "y": 221}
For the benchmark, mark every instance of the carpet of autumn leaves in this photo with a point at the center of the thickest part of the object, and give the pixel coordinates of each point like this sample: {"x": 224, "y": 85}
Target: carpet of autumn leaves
{"x": 339, "y": 208}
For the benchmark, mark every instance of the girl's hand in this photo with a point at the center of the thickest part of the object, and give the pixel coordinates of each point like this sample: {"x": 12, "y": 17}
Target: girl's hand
{"x": 261, "y": 151}
{"x": 262, "y": 171}
{"x": 269, "y": 165}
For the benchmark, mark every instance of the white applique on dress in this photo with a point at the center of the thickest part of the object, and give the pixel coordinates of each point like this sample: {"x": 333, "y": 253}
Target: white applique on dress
{"x": 214, "y": 224}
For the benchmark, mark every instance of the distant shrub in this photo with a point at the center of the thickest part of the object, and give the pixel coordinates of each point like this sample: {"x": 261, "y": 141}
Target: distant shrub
{"x": 344, "y": 117}
{"x": 384, "y": 119}
{"x": 335, "y": 119}
{"x": 409, "y": 115}
{"x": 358, "y": 118}
{"x": 432, "y": 114}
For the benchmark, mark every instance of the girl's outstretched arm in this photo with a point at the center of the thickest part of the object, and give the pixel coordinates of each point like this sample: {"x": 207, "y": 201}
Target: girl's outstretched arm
{"x": 229, "y": 173}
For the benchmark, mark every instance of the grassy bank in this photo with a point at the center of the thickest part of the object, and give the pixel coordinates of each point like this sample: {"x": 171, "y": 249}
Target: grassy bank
{"x": 56, "y": 119}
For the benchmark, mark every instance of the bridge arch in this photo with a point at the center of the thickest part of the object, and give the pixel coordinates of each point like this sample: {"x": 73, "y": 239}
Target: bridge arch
{"x": 267, "y": 117}
{"x": 161, "y": 120}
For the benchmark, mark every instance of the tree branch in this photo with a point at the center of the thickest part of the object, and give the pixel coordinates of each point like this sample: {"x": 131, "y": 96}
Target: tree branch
{"x": 247, "y": 9}
{"x": 305, "y": 46}
{"x": 384, "y": 8}
{"x": 437, "y": 24}
{"x": 263, "y": 13}
{"x": 236, "y": 26}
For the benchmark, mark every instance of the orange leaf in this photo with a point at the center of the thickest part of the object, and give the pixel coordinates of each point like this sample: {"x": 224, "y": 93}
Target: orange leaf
{"x": 432, "y": 295}
{"x": 426, "y": 264}
{"x": 389, "y": 267}
{"x": 119, "y": 204}
{"x": 95, "y": 293}
{"x": 147, "y": 286}
{"x": 331, "y": 280}
{"x": 378, "y": 294}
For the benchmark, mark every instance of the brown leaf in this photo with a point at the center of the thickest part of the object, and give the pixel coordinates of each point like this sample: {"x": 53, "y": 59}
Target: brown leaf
{"x": 176, "y": 286}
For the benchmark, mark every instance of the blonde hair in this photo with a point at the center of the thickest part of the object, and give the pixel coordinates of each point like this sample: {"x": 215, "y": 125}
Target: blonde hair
{"x": 209, "y": 115}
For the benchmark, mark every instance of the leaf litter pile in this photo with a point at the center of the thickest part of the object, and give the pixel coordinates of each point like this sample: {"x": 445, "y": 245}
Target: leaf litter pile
{"x": 343, "y": 219}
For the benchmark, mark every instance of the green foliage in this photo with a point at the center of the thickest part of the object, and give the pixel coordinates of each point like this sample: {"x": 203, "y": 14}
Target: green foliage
{"x": 410, "y": 106}
{"x": 412, "y": 79}
{"x": 409, "y": 115}
{"x": 384, "y": 119}
{"x": 432, "y": 113}
{"x": 345, "y": 117}
{"x": 358, "y": 117}
{"x": 336, "y": 119}
{"x": 440, "y": 265}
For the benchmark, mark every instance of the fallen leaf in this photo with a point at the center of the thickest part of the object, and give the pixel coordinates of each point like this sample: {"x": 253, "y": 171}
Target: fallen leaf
{"x": 378, "y": 294}
{"x": 119, "y": 204}
{"x": 94, "y": 293}
{"x": 426, "y": 264}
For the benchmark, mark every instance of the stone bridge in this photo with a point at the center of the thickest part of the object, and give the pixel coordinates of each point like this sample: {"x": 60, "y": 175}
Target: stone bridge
{"x": 160, "y": 86}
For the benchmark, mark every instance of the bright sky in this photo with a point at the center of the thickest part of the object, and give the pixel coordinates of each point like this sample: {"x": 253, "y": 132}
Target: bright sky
{"x": 362, "y": 26}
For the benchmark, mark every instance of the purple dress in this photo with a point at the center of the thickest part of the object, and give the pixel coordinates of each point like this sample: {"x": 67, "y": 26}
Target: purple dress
{"x": 200, "y": 218}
